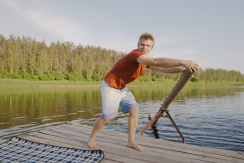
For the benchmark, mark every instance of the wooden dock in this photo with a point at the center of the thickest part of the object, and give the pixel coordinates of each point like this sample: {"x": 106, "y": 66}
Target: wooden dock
{"x": 114, "y": 146}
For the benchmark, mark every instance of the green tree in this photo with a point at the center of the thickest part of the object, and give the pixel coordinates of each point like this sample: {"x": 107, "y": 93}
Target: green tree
{"x": 2, "y": 51}
{"x": 77, "y": 65}
{"x": 51, "y": 53}
{"x": 89, "y": 62}
{"x": 18, "y": 56}
{"x": 43, "y": 62}
{"x": 10, "y": 54}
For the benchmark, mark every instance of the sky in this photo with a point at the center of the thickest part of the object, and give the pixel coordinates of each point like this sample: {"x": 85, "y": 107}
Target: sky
{"x": 209, "y": 32}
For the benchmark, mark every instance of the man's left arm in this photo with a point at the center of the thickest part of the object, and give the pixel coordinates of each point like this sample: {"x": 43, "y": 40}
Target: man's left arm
{"x": 168, "y": 69}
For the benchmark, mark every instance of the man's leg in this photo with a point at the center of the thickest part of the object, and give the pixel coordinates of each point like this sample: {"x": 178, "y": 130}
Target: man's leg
{"x": 100, "y": 122}
{"x": 110, "y": 103}
{"x": 133, "y": 121}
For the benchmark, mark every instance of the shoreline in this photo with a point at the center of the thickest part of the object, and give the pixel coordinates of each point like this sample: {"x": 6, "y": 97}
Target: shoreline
{"x": 11, "y": 83}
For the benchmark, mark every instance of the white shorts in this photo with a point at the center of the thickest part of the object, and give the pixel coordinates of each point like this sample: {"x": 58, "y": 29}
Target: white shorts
{"x": 113, "y": 98}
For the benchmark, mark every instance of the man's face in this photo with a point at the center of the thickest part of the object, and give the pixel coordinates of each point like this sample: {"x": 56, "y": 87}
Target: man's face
{"x": 145, "y": 46}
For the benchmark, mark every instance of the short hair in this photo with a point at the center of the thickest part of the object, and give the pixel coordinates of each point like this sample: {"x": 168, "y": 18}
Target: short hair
{"x": 146, "y": 36}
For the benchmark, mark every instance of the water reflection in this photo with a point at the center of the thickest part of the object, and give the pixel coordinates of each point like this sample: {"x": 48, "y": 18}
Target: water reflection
{"x": 207, "y": 116}
{"x": 154, "y": 128}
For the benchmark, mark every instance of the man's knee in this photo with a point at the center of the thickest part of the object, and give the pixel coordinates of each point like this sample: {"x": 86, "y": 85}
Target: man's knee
{"x": 133, "y": 112}
{"x": 104, "y": 120}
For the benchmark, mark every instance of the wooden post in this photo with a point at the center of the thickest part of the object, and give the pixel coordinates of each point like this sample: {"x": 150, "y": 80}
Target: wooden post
{"x": 185, "y": 77}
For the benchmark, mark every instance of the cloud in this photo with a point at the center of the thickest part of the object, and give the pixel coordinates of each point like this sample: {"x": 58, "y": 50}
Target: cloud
{"x": 175, "y": 45}
{"x": 184, "y": 53}
{"x": 176, "y": 37}
{"x": 61, "y": 27}
{"x": 48, "y": 21}
{"x": 9, "y": 3}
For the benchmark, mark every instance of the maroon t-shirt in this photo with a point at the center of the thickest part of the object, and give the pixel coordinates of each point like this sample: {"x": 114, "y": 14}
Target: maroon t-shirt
{"x": 126, "y": 70}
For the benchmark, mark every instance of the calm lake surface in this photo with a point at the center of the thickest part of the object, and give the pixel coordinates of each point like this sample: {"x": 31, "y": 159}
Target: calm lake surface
{"x": 207, "y": 116}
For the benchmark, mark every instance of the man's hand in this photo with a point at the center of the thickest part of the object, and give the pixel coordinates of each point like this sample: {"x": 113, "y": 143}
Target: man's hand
{"x": 192, "y": 66}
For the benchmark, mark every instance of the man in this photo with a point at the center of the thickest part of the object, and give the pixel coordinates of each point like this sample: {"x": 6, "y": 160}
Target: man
{"x": 127, "y": 69}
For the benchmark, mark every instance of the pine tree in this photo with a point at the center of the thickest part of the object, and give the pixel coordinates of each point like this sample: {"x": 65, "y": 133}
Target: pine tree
{"x": 2, "y": 50}
{"x": 77, "y": 64}
{"x": 89, "y": 62}
{"x": 18, "y": 56}
{"x": 32, "y": 66}
{"x": 11, "y": 54}
{"x": 43, "y": 62}
{"x": 51, "y": 54}
{"x": 68, "y": 48}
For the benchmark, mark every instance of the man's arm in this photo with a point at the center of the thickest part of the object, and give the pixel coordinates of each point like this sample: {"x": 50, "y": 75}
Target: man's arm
{"x": 167, "y": 62}
{"x": 167, "y": 70}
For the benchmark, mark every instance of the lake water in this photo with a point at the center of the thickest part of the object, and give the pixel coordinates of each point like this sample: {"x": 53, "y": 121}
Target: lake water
{"x": 207, "y": 116}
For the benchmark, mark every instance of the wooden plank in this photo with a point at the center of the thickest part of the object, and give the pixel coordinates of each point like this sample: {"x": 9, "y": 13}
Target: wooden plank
{"x": 163, "y": 142}
{"x": 166, "y": 150}
{"x": 132, "y": 154}
{"x": 3, "y": 140}
{"x": 119, "y": 134}
{"x": 147, "y": 139}
{"x": 113, "y": 148}
{"x": 112, "y": 133}
{"x": 108, "y": 161}
{"x": 175, "y": 154}
{"x": 165, "y": 147}
{"x": 109, "y": 156}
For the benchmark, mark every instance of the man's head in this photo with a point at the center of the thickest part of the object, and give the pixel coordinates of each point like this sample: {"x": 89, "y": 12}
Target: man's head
{"x": 146, "y": 43}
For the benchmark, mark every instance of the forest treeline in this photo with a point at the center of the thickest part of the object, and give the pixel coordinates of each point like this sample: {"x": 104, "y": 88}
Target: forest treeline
{"x": 26, "y": 58}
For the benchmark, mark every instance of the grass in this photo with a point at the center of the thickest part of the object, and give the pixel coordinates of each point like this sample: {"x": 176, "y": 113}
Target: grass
{"x": 23, "y": 82}
{"x": 67, "y": 83}
{"x": 189, "y": 83}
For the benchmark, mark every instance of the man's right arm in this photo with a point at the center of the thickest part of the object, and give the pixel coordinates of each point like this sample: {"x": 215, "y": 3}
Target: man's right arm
{"x": 168, "y": 62}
